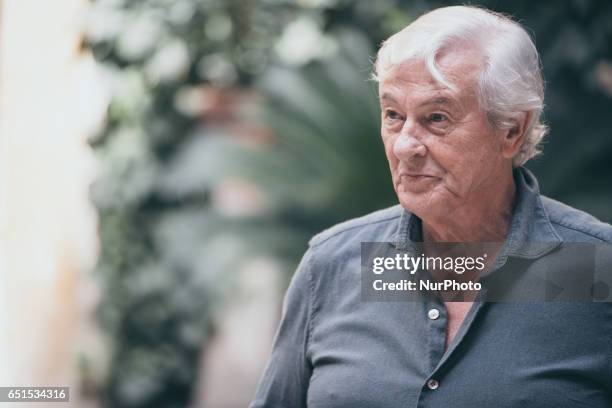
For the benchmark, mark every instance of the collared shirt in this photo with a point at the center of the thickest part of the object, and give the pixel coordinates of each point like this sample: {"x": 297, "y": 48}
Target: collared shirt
{"x": 333, "y": 349}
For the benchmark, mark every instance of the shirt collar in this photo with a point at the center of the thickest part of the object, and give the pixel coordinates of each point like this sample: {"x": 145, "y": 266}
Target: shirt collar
{"x": 531, "y": 234}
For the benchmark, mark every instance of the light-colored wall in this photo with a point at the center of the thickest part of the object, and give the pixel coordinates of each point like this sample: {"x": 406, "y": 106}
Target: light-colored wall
{"x": 48, "y": 102}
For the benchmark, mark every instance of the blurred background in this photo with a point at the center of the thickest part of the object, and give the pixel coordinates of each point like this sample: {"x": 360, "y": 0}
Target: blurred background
{"x": 163, "y": 164}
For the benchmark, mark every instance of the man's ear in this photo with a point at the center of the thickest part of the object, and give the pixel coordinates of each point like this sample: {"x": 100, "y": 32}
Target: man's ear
{"x": 514, "y": 137}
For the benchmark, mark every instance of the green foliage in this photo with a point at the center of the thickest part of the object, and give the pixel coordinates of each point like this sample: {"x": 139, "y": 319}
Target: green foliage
{"x": 160, "y": 261}
{"x": 326, "y": 153}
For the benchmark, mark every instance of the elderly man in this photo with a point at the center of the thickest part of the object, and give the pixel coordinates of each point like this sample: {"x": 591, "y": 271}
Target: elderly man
{"x": 461, "y": 97}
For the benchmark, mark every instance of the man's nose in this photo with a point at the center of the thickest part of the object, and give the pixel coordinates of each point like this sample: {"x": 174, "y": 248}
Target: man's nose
{"x": 407, "y": 146}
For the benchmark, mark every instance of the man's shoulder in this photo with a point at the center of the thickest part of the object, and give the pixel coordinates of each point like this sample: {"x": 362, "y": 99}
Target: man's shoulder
{"x": 576, "y": 225}
{"x": 376, "y": 226}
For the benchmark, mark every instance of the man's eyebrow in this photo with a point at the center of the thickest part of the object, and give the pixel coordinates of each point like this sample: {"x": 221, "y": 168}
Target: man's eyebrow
{"x": 440, "y": 100}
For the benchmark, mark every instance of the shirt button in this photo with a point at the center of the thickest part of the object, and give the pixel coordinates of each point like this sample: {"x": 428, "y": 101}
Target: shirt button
{"x": 433, "y": 314}
{"x": 432, "y": 384}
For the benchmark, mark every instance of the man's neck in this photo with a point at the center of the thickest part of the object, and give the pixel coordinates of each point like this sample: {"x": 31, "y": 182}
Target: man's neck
{"x": 485, "y": 218}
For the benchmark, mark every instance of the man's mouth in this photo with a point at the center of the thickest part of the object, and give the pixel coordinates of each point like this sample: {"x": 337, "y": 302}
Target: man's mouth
{"x": 416, "y": 177}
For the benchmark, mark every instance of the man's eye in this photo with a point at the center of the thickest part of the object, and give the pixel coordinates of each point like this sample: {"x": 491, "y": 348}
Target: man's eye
{"x": 391, "y": 114}
{"x": 437, "y": 118}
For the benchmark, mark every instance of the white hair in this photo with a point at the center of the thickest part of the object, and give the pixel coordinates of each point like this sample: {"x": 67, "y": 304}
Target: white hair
{"x": 510, "y": 80}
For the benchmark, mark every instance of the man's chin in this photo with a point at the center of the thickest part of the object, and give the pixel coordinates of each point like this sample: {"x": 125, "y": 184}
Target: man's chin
{"x": 419, "y": 206}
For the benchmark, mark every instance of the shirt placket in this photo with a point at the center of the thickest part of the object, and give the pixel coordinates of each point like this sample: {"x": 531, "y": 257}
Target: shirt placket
{"x": 435, "y": 315}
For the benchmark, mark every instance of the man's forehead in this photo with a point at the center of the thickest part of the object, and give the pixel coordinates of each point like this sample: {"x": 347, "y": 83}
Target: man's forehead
{"x": 436, "y": 94}
{"x": 458, "y": 68}
{"x": 415, "y": 80}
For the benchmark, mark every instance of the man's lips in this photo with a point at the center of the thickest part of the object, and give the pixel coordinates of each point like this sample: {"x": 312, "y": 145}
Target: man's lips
{"x": 417, "y": 176}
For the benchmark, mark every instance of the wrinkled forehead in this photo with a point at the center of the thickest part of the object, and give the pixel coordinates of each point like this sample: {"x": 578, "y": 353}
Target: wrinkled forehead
{"x": 459, "y": 69}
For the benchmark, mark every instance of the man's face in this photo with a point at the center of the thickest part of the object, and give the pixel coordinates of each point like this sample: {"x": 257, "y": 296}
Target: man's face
{"x": 441, "y": 149}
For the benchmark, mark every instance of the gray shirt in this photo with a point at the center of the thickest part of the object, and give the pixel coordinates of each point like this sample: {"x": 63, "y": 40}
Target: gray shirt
{"x": 333, "y": 349}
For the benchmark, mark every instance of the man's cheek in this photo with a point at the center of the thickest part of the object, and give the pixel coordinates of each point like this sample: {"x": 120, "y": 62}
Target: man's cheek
{"x": 388, "y": 147}
{"x": 452, "y": 183}
{"x": 393, "y": 162}
{"x": 461, "y": 186}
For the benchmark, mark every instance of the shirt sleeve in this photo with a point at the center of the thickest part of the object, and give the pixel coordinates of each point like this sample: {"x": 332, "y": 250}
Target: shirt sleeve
{"x": 287, "y": 375}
